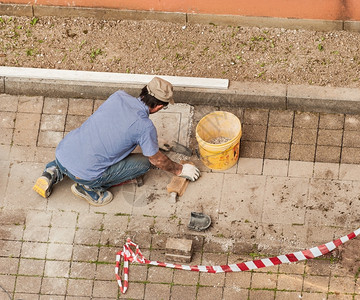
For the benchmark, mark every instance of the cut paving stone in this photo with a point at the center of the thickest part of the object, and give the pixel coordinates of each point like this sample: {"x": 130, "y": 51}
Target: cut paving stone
{"x": 179, "y": 250}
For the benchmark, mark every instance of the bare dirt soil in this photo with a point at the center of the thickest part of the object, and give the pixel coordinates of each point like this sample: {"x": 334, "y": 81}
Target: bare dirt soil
{"x": 154, "y": 47}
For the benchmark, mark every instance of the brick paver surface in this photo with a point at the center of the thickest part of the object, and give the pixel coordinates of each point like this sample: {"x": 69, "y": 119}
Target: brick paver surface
{"x": 295, "y": 186}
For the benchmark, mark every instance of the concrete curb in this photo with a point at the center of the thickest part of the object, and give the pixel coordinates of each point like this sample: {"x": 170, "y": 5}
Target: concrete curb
{"x": 175, "y": 17}
{"x": 194, "y": 91}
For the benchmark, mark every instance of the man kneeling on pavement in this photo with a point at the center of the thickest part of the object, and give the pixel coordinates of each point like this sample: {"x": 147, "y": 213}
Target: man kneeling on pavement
{"x": 98, "y": 154}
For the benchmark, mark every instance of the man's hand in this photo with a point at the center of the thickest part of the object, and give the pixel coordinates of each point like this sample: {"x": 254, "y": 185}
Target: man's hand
{"x": 161, "y": 161}
{"x": 190, "y": 172}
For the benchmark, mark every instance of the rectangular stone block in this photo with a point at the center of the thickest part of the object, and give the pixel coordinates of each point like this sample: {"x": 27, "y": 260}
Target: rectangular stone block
{"x": 323, "y": 99}
{"x": 16, "y": 10}
{"x": 178, "y": 258}
{"x": 352, "y": 26}
{"x": 178, "y": 250}
{"x": 108, "y": 14}
{"x": 2, "y": 85}
{"x": 289, "y": 23}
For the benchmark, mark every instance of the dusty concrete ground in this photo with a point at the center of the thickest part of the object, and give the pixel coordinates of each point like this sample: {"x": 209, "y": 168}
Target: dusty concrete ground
{"x": 277, "y": 199}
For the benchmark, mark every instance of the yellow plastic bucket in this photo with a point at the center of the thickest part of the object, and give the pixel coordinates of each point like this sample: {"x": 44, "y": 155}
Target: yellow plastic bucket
{"x": 219, "y": 125}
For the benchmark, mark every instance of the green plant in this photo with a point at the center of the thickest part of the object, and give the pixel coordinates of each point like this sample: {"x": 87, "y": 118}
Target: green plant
{"x": 82, "y": 44}
{"x": 95, "y": 53}
{"x": 179, "y": 56}
{"x": 34, "y": 21}
{"x": 30, "y": 52}
{"x": 320, "y": 47}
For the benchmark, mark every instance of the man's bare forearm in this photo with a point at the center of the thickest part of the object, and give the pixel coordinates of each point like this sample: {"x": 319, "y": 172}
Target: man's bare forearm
{"x": 161, "y": 161}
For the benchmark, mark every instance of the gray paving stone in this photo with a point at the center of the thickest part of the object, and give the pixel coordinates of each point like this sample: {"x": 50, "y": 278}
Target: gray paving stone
{"x": 350, "y": 155}
{"x": 301, "y": 169}
{"x": 57, "y": 106}
{"x": 61, "y": 235}
{"x": 281, "y": 295}
{"x": 74, "y": 121}
{"x": 249, "y": 166}
{"x": 28, "y": 284}
{"x": 33, "y": 250}
{"x": 285, "y": 200}
{"x": 30, "y": 104}
{"x": 306, "y": 120}
{"x": 49, "y": 138}
{"x": 277, "y": 151}
{"x": 87, "y": 237}
{"x": 27, "y": 120}
{"x": 290, "y": 282}
{"x": 27, "y": 296}
{"x": 264, "y": 280}
{"x": 351, "y": 139}
{"x": 4, "y": 152}
{"x": 82, "y": 107}
{"x": 90, "y": 220}
{"x": 25, "y": 137}
{"x": 352, "y": 122}
{"x": 252, "y": 149}
{"x": 349, "y": 172}
{"x": 197, "y": 197}
{"x": 57, "y": 269}
{"x": 256, "y": 133}
{"x": 81, "y": 288}
{"x": 59, "y": 251}
{"x": 21, "y": 180}
{"x": 105, "y": 289}
{"x": 64, "y": 219}
{"x": 38, "y": 234}
{"x": 31, "y": 267}
{"x": 304, "y": 136}
{"x": 243, "y": 203}
{"x": 136, "y": 291}
{"x": 53, "y": 286}
{"x": 256, "y": 116}
{"x": 9, "y": 103}
{"x": 11, "y": 232}
{"x": 317, "y": 284}
{"x": 115, "y": 221}
{"x": 326, "y": 170}
{"x": 327, "y": 154}
{"x": 84, "y": 253}
{"x": 319, "y": 267}
{"x": 63, "y": 199}
{"x": 82, "y": 270}
{"x": 52, "y": 122}
{"x": 6, "y": 136}
{"x": 295, "y": 238}
{"x": 329, "y": 202}
{"x": 44, "y": 155}
{"x": 279, "y": 134}
{"x": 275, "y": 167}
{"x": 107, "y": 254}
{"x": 261, "y": 294}
{"x": 183, "y": 292}
{"x": 283, "y": 118}
{"x": 8, "y": 265}
{"x": 22, "y": 153}
{"x": 7, "y": 119}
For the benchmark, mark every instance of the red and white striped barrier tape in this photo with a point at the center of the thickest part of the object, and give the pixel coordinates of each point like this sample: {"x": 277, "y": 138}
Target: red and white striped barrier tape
{"x": 130, "y": 256}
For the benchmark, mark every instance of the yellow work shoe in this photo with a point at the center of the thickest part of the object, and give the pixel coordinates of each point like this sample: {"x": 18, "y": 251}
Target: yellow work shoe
{"x": 43, "y": 185}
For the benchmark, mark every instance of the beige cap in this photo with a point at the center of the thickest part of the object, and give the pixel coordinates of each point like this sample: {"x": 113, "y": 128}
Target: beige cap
{"x": 161, "y": 90}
